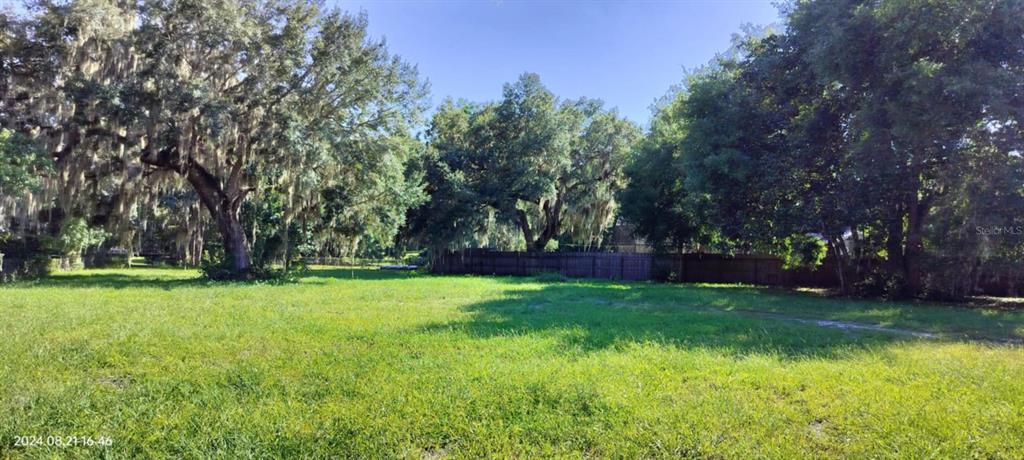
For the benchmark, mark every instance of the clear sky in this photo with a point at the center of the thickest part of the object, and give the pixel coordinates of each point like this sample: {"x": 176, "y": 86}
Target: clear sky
{"x": 626, "y": 53}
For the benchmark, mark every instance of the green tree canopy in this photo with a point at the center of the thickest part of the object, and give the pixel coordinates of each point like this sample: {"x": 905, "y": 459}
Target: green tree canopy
{"x": 531, "y": 163}
{"x": 229, "y": 99}
{"x": 869, "y": 124}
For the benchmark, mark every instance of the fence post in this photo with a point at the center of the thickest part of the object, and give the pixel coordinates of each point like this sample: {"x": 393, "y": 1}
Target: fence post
{"x": 622, "y": 266}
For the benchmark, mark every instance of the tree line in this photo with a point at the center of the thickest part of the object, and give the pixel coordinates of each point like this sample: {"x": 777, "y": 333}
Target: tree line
{"x": 890, "y": 130}
{"x": 885, "y": 135}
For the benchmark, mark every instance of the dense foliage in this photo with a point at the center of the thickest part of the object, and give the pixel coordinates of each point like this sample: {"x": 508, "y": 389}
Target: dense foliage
{"x": 238, "y": 134}
{"x": 237, "y": 103}
{"x": 524, "y": 171}
{"x": 891, "y": 130}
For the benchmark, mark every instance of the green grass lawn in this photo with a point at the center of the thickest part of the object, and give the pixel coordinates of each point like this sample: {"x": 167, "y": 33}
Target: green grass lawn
{"x": 360, "y": 363}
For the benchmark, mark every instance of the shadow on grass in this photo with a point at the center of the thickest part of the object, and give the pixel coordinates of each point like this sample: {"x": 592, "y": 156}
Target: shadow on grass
{"x": 131, "y": 278}
{"x": 588, "y": 317}
{"x": 592, "y": 317}
{"x": 158, "y": 278}
{"x": 591, "y": 314}
{"x": 358, "y": 273}
{"x": 956, "y": 321}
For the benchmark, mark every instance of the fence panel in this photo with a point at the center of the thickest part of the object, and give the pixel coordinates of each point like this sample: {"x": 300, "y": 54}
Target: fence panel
{"x": 694, "y": 268}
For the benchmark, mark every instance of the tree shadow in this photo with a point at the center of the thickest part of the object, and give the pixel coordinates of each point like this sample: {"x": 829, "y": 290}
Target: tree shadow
{"x": 590, "y": 314}
{"x": 589, "y": 317}
{"x": 157, "y": 278}
{"x": 962, "y": 321}
{"x": 358, "y": 273}
{"x": 135, "y": 278}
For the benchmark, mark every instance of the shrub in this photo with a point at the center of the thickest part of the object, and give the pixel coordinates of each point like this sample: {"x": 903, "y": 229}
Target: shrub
{"x": 216, "y": 270}
{"x": 219, "y": 270}
{"x": 154, "y": 259}
{"x": 117, "y": 261}
{"x": 34, "y": 267}
{"x": 804, "y": 251}
{"x": 75, "y": 237}
{"x": 23, "y": 258}
{"x": 415, "y": 259}
{"x": 881, "y": 283}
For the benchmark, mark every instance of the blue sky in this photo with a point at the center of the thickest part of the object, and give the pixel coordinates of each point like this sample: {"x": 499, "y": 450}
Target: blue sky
{"x": 626, "y": 53}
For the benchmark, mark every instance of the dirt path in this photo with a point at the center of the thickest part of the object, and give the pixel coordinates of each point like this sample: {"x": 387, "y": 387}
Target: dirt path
{"x": 852, "y": 326}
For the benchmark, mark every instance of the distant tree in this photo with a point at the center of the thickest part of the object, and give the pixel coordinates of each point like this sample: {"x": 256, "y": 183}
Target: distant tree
{"x": 528, "y": 162}
{"x": 583, "y": 203}
{"x": 656, "y": 201}
{"x": 519, "y": 148}
{"x": 455, "y": 215}
{"x": 728, "y": 151}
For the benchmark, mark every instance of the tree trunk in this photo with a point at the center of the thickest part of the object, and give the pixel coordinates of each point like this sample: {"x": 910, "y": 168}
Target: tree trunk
{"x": 236, "y": 247}
{"x": 840, "y": 265}
{"x": 539, "y": 244}
{"x": 552, "y": 226}
{"x": 285, "y": 223}
{"x": 548, "y": 234}
{"x": 224, "y": 205}
{"x": 524, "y": 226}
{"x": 857, "y": 258}
{"x": 894, "y": 243}
{"x": 914, "y": 250}
{"x": 195, "y": 237}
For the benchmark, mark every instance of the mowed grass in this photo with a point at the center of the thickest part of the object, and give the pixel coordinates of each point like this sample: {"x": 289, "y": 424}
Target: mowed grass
{"x": 370, "y": 364}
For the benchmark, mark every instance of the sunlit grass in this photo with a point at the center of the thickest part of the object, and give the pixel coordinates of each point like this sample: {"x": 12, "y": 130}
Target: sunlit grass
{"x": 361, "y": 363}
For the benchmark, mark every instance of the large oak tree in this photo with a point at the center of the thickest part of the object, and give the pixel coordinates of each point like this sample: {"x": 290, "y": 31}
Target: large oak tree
{"x": 529, "y": 163}
{"x": 229, "y": 97}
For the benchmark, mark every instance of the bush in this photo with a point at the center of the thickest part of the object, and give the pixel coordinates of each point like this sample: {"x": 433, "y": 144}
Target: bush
{"x": 222, "y": 271}
{"x": 415, "y": 259}
{"x": 882, "y": 283}
{"x": 75, "y": 237}
{"x": 34, "y": 267}
{"x": 804, "y": 251}
{"x": 217, "y": 270}
{"x": 154, "y": 260}
{"x": 23, "y": 258}
{"x": 117, "y": 261}
{"x": 954, "y": 278}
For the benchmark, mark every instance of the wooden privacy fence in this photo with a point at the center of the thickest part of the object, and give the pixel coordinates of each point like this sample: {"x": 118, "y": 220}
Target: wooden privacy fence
{"x": 709, "y": 268}
{"x": 608, "y": 265}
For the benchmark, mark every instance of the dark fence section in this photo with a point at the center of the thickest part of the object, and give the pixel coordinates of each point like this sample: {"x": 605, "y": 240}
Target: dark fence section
{"x": 608, "y": 265}
{"x": 691, "y": 268}
{"x": 747, "y": 269}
